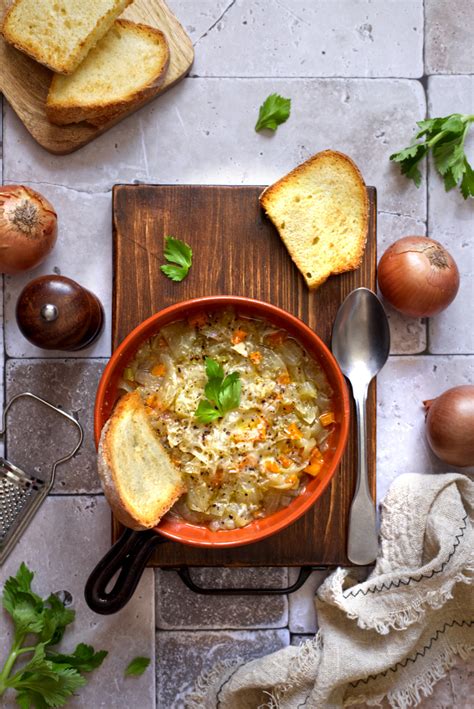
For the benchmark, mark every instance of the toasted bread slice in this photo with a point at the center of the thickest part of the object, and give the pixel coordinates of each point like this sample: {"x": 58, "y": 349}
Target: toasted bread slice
{"x": 126, "y": 64}
{"x": 59, "y": 33}
{"x": 321, "y": 212}
{"x": 139, "y": 480}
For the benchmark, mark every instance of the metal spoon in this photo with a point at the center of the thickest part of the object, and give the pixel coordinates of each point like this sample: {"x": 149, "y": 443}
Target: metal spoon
{"x": 361, "y": 345}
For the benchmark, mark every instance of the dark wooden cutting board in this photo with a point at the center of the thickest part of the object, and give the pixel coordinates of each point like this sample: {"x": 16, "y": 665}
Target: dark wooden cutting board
{"x": 237, "y": 251}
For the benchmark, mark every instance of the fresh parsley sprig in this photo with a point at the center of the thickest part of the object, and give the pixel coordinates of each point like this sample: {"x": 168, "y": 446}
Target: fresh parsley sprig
{"x": 445, "y": 137}
{"x": 137, "y": 666}
{"x": 273, "y": 111}
{"x": 49, "y": 678}
{"x": 222, "y": 393}
{"x": 180, "y": 257}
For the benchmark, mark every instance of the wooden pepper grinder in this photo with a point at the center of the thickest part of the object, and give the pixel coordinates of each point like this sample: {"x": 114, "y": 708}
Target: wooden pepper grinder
{"x": 56, "y": 313}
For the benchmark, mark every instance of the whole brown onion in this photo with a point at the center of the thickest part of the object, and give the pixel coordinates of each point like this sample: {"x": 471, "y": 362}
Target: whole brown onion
{"x": 418, "y": 276}
{"x": 450, "y": 425}
{"x": 28, "y": 228}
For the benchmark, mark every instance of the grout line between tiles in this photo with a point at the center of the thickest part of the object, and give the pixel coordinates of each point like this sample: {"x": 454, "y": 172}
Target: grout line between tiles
{"x": 219, "y": 630}
{"x": 240, "y": 629}
{"x": 306, "y": 78}
{"x": 432, "y": 354}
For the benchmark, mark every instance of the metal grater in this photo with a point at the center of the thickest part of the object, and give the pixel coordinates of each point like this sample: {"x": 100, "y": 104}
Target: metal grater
{"x": 21, "y": 494}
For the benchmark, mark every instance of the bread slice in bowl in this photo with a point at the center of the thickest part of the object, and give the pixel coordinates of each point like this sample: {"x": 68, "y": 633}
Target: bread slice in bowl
{"x": 138, "y": 478}
{"x": 126, "y": 65}
{"x": 59, "y": 33}
{"x": 321, "y": 212}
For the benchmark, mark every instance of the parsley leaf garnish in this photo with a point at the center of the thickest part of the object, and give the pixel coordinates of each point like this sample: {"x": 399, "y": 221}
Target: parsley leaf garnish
{"x": 83, "y": 659}
{"x": 273, "y": 111}
{"x": 222, "y": 393}
{"x": 137, "y": 666}
{"x": 49, "y": 678}
{"x": 180, "y": 257}
{"x": 445, "y": 137}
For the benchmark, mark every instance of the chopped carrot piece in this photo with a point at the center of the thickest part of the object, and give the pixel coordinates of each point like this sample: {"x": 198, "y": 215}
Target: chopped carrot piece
{"x": 255, "y": 357}
{"x": 313, "y": 468}
{"x": 284, "y": 461}
{"x": 276, "y": 338}
{"x": 158, "y": 370}
{"x": 327, "y": 418}
{"x": 238, "y": 336}
{"x": 216, "y": 480}
{"x": 316, "y": 462}
{"x": 294, "y": 432}
{"x": 293, "y": 479}
{"x": 198, "y": 319}
{"x": 288, "y": 408}
{"x": 271, "y": 466}
{"x": 262, "y": 429}
{"x": 283, "y": 378}
{"x": 153, "y": 401}
{"x": 244, "y": 462}
{"x": 316, "y": 456}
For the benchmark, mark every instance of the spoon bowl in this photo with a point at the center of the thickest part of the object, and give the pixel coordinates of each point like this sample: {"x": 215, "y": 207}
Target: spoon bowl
{"x": 361, "y": 335}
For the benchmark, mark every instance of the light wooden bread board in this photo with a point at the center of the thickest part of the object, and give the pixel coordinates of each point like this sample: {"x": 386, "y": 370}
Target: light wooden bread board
{"x": 25, "y": 83}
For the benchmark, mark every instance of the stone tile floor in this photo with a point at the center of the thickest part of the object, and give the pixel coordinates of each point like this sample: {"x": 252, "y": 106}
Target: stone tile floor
{"x": 359, "y": 74}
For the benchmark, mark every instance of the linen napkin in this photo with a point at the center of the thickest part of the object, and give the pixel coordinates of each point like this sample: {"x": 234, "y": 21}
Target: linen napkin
{"x": 391, "y": 637}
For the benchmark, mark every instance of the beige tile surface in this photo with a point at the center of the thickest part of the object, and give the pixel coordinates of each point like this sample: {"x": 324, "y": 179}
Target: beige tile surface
{"x": 448, "y": 37}
{"x": 83, "y": 252}
{"x": 403, "y": 385}
{"x": 37, "y": 436}
{"x": 62, "y": 545}
{"x": 451, "y": 221}
{"x": 408, "y": 335}
{"x": 297, "y": 38}
{"x": 179, "y": 608}
{"x": 206, "y": 135}
{"x": 182, "y": 656}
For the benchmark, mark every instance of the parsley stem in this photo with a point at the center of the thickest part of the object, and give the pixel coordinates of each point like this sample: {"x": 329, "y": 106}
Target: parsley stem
{"x": 32, "y": 648}
{"x": 436, "y": 138}
{"x": 8, "y": 666}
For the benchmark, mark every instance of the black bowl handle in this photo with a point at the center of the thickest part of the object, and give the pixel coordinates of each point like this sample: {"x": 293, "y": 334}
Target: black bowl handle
{"x": 129, "y": 555}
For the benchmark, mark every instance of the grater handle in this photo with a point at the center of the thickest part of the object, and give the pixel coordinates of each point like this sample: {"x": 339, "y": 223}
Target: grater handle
{"x": 129, "y": 556}
{"x": 69, "y": 417}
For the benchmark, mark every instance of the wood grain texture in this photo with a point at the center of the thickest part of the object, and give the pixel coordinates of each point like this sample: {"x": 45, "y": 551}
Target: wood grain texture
{"x": 25, "y": 83}
{"x": 237, "y": 251}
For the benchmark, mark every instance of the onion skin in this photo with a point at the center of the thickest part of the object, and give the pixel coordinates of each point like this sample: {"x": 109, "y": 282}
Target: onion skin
{"x": 28, "y": 228}
{"x": 418, "y": 276}
{"x": 450, "y": 425}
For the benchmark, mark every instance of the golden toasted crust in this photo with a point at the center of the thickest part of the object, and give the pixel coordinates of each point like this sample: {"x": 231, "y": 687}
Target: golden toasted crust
{"x": 98, "y": 113}
{"x": 35, "y": 49}
{"x": 334, "y": 241}
{"x": 145, "y": 96}
{"x": 112, "y": 478}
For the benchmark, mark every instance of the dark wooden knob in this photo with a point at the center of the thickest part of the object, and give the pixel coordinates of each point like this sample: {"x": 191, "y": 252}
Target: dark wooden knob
{"x": 56, "y": 313}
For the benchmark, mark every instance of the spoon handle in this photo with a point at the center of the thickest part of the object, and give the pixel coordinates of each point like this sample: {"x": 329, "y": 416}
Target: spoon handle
{"x": 362, "y": 543}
